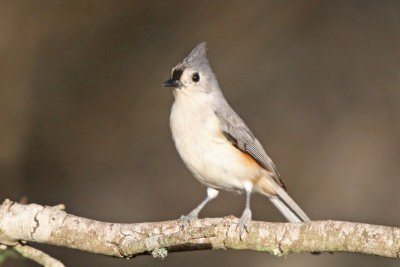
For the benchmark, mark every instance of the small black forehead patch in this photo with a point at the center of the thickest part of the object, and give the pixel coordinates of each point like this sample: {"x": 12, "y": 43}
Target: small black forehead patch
{"x": 176, "y": 74}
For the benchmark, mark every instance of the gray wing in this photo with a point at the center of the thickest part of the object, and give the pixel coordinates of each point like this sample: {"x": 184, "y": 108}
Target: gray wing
{"x": 237, "y": 132}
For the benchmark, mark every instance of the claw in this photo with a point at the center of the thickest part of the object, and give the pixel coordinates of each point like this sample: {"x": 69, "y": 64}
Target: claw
{"x": 244, "y": 222}
{"x": 186, "y": 219}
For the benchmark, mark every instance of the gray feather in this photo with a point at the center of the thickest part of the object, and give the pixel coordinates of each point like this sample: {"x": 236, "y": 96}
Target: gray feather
{"x": 197, "y": 60}
{"x": 237, "y": 132}
{"x": 198, "y": 55}
{"x": 288, "y": 207}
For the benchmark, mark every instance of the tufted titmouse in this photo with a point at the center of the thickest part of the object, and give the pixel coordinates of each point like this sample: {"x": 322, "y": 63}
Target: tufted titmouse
{"x": 215, "y": 143}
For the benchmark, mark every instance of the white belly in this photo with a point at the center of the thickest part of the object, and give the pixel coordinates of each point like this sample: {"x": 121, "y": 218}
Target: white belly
{"x": 206, "y": 152}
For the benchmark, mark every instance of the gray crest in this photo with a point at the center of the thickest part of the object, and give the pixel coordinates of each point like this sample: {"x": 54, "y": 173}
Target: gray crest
{"x": 197, "y": 57}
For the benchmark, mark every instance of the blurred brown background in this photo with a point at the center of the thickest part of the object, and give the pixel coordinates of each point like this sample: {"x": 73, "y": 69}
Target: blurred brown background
{"x": 85, "y": 120}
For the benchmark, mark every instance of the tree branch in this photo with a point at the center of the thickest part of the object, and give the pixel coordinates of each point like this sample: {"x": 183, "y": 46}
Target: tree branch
{"x": 37, "y": 256}
{"x": 52, "y": 225}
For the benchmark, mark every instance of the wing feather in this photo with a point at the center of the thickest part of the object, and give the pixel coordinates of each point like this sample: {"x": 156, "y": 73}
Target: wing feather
{"x": 237, "y": 132}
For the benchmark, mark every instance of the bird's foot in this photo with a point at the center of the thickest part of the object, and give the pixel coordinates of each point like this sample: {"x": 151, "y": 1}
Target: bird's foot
{"x": 244, "y": 222}
{"x": 186, "y": 219}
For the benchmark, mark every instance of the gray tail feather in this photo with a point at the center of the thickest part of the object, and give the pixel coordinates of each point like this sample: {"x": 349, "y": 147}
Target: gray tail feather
{"x": 288, "y": 207}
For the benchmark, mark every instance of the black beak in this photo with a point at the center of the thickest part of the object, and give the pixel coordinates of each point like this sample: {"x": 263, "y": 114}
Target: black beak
{"x": 171, "y": 83}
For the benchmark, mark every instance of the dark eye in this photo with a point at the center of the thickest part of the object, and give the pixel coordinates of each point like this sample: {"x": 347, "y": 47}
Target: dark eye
{"x": 196, "y": 77}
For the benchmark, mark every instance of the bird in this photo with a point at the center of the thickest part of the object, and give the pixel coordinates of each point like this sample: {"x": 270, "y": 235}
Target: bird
{"x": 217, "y": 146}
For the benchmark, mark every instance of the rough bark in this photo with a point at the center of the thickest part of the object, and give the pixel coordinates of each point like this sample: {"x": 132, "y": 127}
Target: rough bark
{"x": 52, "y": 225}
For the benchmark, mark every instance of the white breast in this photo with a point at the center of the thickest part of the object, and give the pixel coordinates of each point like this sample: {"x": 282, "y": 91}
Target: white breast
{"x": 203, "y": 148}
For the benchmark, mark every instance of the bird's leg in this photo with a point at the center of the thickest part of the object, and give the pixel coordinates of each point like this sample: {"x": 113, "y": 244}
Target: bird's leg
{"x": 211, "y": 194}
{"x": 245, "y": 219}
